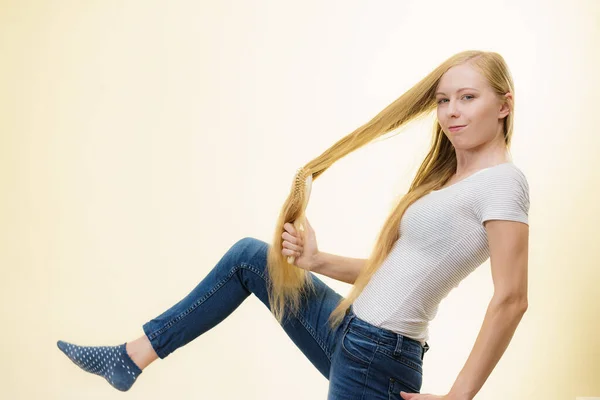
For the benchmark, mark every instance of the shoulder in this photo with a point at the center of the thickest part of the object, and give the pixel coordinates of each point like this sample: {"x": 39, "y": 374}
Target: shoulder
{"x": 503, "y": 193}
{"x": 505, "y": 176}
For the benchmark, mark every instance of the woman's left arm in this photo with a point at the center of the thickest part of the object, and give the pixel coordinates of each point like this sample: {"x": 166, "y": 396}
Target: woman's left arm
{"x": 508, "y": 244}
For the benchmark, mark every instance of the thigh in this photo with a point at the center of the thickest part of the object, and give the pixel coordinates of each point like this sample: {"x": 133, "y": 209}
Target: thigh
{"x": 350, "y": 366}
{"x": 309, "y": 329}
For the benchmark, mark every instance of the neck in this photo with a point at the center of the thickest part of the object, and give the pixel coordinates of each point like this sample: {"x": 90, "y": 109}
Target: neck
{"x": 468, "y": 161}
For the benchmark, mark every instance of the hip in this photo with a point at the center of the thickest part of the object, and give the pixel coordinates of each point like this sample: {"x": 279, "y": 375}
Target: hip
{"x": 374, "y": 363}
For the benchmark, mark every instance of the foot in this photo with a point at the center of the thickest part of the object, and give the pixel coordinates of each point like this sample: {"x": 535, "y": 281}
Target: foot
{"x": 110, "y": 362}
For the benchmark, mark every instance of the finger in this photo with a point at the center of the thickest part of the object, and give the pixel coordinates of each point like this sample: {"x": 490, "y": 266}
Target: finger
{"x": 290, "y": 228}
{"x": 292, "y": 246}
{"x": 299, "y": 238}
{"x": 291, "y": 239}
{"x": 288, "y": 252}
{"x": 298, "y": 235}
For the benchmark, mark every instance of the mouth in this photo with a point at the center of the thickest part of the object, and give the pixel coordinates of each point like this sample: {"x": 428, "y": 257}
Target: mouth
{"x": 456, "y": 128}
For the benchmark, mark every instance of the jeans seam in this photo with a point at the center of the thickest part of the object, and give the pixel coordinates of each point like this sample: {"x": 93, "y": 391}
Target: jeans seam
{"x": 306, "y": 326}
{"x": 196, "y": 304}
{"x": 199, "y": 302}
{"x": 367, "y": 373}
{"x": 359, "y": 333}
{"x": 314, "y": 335}
{"x": 348, "y": 352}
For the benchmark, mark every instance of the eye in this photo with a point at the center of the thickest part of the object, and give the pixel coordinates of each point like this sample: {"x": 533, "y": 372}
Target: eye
{"x": 466, "y": 95}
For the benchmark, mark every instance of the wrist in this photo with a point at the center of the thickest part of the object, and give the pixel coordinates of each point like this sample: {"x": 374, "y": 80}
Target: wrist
{"x": 317, "y": 262}
{"x": 455, "y": 396}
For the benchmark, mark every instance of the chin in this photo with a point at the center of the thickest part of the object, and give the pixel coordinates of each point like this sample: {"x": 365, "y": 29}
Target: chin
{"x": 461, "y": 145}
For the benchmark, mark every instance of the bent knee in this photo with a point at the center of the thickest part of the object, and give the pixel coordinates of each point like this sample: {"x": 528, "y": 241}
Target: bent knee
{"x": 249, "y": 242}
{"x": 250, "y": 250}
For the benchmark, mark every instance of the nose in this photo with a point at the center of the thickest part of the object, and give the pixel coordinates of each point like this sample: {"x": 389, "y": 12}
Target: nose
{"x": 452, "y": 109}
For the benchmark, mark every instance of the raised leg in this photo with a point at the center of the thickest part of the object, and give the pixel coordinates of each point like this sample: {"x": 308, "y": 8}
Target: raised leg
{"x": 241, "y": 272}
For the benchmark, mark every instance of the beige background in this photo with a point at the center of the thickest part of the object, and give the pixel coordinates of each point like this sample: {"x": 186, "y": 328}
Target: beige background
{"x": 141, "y": 139}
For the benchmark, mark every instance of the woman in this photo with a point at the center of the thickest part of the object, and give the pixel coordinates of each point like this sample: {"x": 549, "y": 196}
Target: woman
{"x": 468, "y": 202}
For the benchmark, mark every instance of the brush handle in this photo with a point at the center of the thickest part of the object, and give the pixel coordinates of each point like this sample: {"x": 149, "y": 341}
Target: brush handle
{"x": 298, "y": 224}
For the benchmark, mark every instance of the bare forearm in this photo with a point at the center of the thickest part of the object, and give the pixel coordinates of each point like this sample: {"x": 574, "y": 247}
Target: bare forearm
{"x": 340, "y": 268}
{"x": 499, "y": 325}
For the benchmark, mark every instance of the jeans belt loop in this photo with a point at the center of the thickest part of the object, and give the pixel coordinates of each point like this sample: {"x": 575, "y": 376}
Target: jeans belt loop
{"x": 347, "y": 320}
{"x": 399, "y": 341}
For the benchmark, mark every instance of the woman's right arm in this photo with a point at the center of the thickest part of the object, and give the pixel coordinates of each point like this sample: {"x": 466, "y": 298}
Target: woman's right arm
{"x": 340, "y": 268}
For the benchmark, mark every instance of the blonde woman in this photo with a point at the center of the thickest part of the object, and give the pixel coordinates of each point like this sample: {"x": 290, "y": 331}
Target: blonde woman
{"x": 468, "y": 202}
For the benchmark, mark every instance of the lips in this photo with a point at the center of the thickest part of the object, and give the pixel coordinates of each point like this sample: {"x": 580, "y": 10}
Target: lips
{"x": 456, "y": 128}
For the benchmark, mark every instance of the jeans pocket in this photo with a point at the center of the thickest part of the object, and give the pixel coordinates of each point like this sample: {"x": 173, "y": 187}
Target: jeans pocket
{"x": 396, "y": 385}
{"x": 403, "y": 360}
{"x": 358, "y": 347}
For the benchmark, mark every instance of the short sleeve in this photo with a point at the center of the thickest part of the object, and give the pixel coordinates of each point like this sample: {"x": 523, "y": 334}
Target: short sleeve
{"x": 505, "y": 196}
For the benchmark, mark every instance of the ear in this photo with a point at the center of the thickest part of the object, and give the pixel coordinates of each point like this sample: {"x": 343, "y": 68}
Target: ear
{"x": 506, "y": 105}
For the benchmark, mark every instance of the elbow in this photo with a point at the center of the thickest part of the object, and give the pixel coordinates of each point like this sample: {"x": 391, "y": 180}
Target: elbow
{"x": 523, "y": 306}
{"x": 518, "y": 303}
{"x": 521, "y": 303}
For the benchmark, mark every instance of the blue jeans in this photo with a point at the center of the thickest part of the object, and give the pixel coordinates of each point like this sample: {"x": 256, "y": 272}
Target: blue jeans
{"x": 361, "y": 361}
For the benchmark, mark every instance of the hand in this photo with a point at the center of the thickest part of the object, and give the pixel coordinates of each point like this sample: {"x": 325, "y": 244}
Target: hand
{"x": 300, "y": 244}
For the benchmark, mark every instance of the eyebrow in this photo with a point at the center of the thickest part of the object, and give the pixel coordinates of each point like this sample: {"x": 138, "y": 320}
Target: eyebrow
{"x": 459, "y": 90}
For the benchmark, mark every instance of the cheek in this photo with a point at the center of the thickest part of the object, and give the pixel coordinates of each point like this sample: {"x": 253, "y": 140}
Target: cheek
{"x": 477, "y": 114}
{"x": 486, "y": 117}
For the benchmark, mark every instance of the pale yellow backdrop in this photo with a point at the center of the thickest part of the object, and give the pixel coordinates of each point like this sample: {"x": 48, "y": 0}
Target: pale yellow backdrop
{"x": 141, "y": 139}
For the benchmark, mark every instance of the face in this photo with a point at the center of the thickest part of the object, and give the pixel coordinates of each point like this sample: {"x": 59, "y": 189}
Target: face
{"x": 478, "y": 108}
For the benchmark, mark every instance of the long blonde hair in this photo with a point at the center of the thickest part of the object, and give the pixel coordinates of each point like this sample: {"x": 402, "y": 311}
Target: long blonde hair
{"x": 288, "y": 283}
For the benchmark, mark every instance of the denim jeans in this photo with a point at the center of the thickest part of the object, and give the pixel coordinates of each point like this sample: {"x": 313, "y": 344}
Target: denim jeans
{"x": 361, "y": 361}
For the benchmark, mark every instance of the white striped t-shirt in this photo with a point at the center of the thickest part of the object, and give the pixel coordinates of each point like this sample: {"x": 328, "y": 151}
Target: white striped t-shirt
{"x": 442, "y": 240}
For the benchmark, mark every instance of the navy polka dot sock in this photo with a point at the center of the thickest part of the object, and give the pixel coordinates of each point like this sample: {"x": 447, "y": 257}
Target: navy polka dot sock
{"x": 110, "y": 362}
